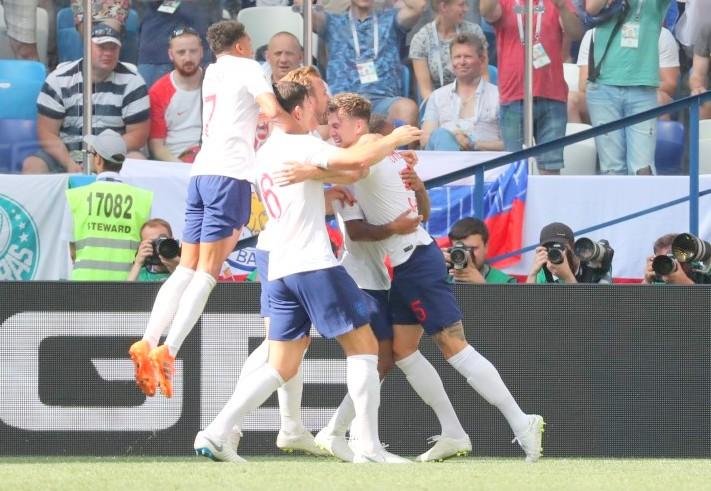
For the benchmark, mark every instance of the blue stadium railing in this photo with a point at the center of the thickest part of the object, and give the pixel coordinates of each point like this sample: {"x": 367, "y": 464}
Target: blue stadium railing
{"x": 692, "y": 102}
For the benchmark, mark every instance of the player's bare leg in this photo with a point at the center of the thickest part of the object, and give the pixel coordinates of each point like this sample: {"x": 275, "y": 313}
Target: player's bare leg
{"x": 485, "y": 379}
{"x": 427, "y": 383}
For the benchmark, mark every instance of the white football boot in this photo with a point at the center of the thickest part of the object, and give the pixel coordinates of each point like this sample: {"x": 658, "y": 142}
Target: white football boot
{"x": 214, "y": 449}
{"x": 445, "y": 448}
{"x": 531, "y": 439}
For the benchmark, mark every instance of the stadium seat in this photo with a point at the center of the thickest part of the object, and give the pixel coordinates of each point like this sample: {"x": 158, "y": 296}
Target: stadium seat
{"x": 69, "y": 45}
{"x": 263, "y": 22}
{"x": 580, "y": 158}
{"x": 493, "y": 75}
{"x": 670, "y": 147}
{"x": 571, "y": 72}
{"x": 18, "y": 139}
{"x": 20, "y": 84}
{"x": 406, "y": 80}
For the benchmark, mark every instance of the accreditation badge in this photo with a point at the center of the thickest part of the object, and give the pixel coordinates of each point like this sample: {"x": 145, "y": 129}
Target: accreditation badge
{"x": 169, "y": 6}
{"x": 630, "y": 35}
{"x": 540, "y": 57}
{"x": 367, "y": 72}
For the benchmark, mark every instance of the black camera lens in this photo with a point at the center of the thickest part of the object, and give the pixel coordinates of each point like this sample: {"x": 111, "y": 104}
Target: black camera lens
{"x": 555, "y": 253}
{"x": 664, "y": 264}
{"x": 167, "y": 247}
{"x": 458, "y": 255}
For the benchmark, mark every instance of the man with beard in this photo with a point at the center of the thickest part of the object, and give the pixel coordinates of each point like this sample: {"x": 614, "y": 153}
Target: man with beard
{"x": 175, "y": 101}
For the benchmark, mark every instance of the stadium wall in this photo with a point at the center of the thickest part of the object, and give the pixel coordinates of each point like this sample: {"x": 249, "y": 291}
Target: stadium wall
{"x": 620, "y": 371}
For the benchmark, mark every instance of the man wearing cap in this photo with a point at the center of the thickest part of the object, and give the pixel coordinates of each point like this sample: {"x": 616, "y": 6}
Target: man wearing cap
{"x": 107, "y": 215}
{"x": 120, "y": 102}
{"x": 559, "y": 236}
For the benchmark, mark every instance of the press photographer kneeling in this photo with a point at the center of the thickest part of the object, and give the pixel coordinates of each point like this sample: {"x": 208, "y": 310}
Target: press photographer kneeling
{"x": 466, "y": 259}
{"x": 679, "y": 259}
{"x": 159, "y": 253}
{"x": 562, "y": 259}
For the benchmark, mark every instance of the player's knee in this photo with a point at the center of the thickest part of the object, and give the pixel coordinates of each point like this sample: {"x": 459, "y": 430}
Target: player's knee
{"x": 451, "y": 340}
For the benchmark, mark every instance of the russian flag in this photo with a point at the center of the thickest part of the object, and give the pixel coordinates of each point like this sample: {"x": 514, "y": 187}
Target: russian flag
{"x": 504, "y": 206}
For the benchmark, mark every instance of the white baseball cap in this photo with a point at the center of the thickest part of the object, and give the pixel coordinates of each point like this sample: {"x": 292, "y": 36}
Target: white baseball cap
{"x": 103, "y": 33}
{"x": 109, "y": 145}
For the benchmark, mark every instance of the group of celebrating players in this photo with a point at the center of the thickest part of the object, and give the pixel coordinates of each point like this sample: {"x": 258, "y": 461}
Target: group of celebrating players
{"x": 380, "y": 203}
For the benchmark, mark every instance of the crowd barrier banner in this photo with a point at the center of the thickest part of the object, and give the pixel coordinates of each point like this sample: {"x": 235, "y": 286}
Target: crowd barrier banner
{"x": 616, "y": 372}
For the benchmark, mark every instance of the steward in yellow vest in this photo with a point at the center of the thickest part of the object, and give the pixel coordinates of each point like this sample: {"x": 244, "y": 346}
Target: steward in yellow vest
{"x": 107, "y": 214}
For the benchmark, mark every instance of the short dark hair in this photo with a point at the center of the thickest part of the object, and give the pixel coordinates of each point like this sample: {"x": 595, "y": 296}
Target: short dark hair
{"x": 157, "y": 222}
{"x": 222, "y": 35}
{"x": 468, "y": 226}
{"x": 290, "y": 95}
{"x": 663, "y": 242}
{"x": 470, "y": 39}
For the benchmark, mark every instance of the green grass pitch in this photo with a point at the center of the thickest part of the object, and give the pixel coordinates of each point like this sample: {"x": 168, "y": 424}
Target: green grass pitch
{"x": 296, "y": 472}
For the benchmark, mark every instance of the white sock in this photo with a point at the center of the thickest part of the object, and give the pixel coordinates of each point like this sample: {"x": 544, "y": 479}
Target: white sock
{"x": 426, "y": 381}
{"x": 166, "y": 304}
{"x": 192, "y": 303}
{"x": 290, "y": 403}
{"x": 485, "y": 379}
{"x": 364, "y": 388}
{"x": 343, "y": 417}
{"x": 256, "y": 359}
{"x": 255, "y": 388}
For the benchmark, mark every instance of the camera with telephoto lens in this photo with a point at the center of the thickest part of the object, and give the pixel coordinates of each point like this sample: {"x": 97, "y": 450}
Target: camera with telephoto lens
{"x": 664, "y": 264}
{"x": 688, "y": 248}
{"x": 163, "y": 246}
{"x": 596, "y": 254}
{"x": 556, "y": 252}
{"x": 458, "y": 255}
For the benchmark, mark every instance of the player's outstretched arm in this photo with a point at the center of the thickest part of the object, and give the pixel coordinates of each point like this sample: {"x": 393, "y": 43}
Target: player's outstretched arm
{"x": 372, "y": 151}
{"x": 295, "y": 172}
{"x": 360, "y": 230}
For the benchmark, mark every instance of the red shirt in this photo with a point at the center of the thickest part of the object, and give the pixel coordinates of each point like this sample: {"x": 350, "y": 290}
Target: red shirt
{"x": 548, "y": 81}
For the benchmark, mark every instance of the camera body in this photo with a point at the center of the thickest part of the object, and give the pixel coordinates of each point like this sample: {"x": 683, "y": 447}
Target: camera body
{"x": 164, "y": 246}
{"x": 596, "y": 255}
{"x": 459, "y": 255}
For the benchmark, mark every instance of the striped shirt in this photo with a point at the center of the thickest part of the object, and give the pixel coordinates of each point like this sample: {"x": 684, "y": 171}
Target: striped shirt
{"x": 120, "y": 100}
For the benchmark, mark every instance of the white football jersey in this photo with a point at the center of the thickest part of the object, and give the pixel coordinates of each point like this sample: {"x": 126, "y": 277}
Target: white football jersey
{"x": 383, "y": 197}
{"x": 364, "y": 260}
{"x": 298, "y": 239}
{"x": 229, "y": 118}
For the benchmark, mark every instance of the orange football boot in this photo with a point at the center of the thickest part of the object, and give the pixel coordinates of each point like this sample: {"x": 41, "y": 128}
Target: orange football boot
{"x": 145, "y": 375}
{"x": 164, "y": 366}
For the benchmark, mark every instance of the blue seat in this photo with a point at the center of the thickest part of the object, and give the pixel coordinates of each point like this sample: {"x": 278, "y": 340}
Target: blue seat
{"x": 20, "y": 84}
{"x": 493, "y": 75}
{"x": 18, "y": 139}
{"x": 670, "y": 147}
{"x": 69, "y": 45}
{"x": 406, "y": 81}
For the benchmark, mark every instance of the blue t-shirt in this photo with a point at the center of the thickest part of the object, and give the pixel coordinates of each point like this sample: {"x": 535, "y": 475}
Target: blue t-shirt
{"x": 341, "y": 72}
{"x": 156, "y": 28}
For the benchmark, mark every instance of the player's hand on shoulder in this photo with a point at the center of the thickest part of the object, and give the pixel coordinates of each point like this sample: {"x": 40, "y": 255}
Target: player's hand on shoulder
{"x": 340, "y": 193}
{"x": 410, "y": 157}
{"x": 404, "y": 135}
{"x": 294, "y": 173}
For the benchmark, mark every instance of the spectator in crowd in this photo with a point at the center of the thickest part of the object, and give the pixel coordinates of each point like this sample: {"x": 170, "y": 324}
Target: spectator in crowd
{"x": 110, "y": 12}
{"x": 547, "y": 268}
{"x": 626, "y": 77}
{"x": 473, "y": 234}
{"x": 429, "y": 48}
{"x": 549, "y": 88}
{"x": 21, "y": 21}
{"x": 284, "y": 53}
{"x": 159, "y": 22}
{"x": 120, "y": 103}
{"x": 699, "y": 78}
{"x": 106, "y": 216}
{"x": 680, "y": 275}
{"x": 149, "y": 265}
{"x": 669, "y": 72}
{"x": 176, "y": 121}
{"x": 364, "y": 53}
{"x": 464, "y": 115}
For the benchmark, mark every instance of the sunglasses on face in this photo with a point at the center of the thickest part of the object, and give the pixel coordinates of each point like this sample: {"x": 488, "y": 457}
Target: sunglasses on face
{"x": 179, "y": 31}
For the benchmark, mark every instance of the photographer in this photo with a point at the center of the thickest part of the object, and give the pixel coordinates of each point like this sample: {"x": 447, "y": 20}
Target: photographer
{"x": 472, "y": 236}
{"x": 556, "y": 262}
{"x": 681, "y": 274}
{"x": 150, "y": 263}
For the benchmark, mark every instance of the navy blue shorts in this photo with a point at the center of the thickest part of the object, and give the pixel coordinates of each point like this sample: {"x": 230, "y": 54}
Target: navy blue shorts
{"x": 261, "y": 258}
{"x": 380, "y": 319}
{"x": 216, "y": 206}
{"x": 328, "y": 297}
{"x": 420, "y": 293}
